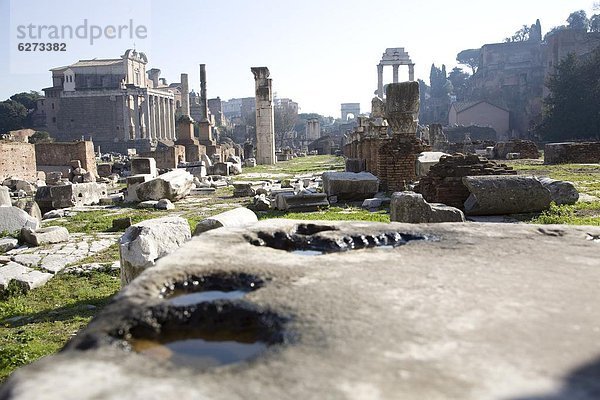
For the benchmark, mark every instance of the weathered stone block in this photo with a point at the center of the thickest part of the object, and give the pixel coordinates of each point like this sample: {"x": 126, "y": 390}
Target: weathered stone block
{"x": 5, "y": 197}
{"x": 561, "y": 192}
{"x": 26, "y": 278}
{"x": 497, "y": 195}
{"x": 144, "y": 166}
{"x": 426, "y": 160}
{"x": 237, "y": 218}
{"x": 12, "y": 219}
{"x": 42, "y": 236}
{"x": 7, "y": 244}
{"x": 144, "y": 243}
{"x": 412, "y": 208}
{"x": 77, "y": 194}
{"x": 350, "y": 185}
{"x": 173, "y": 185}
{"x": 304, "y": 201}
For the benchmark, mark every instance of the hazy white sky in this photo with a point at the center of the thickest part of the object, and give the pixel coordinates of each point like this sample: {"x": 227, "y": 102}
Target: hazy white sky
{"x": 320, "y": 52}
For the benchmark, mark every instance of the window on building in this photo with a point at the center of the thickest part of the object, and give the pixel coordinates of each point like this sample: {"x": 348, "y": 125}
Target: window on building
{"x": 53, "y": 106}
{"x": 54, "y": 119}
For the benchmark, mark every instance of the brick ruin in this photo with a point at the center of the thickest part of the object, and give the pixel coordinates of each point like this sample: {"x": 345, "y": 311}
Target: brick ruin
{"x": 443, "y": 183}
{"x": 572, "y": 152}
{"x": 17, "y": 159}
{"x": 386, "y": 143}
{"x": 525, "y": 149}
{"x": 56, "y": 156}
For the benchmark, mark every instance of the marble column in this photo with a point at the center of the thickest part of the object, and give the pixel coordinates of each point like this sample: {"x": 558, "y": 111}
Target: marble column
{"x": 160, "y": 117}
{"x": 411, "y": 72}
{"x": 172, "y": 119}
{"x": 146, "y": 112}
{"x": 153, "y": 108}
{"x": 395, "y": 73}
{"x": 136, "y": 117}
{"x": 380, "y": 81}
{"x": 126, "y": 117}
{"x": 265, "y": 135}
{"x": 165, "y": 120}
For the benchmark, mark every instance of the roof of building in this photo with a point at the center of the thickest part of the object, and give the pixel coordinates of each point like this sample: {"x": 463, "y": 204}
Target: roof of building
{"x": 91, "y": 63}
{"x": 465, "y": 105}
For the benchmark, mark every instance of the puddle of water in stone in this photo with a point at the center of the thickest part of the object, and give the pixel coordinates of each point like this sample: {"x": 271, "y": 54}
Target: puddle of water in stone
{"x": 199, "y": 353}
{"x": 188, "y": 299}
{"x": 307, "y": 252}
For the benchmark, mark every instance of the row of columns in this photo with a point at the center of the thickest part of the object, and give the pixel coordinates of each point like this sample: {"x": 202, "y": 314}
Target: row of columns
{"x": 150, "y": 117}
{"x": 411, "y": 76}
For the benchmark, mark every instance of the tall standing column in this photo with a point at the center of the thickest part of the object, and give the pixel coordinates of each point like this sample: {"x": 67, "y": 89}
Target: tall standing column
{"x": 411, "y": 72}
{"x": 165, "y": 120}
{"x": 172, "y": 118}
{"x": 153, "y": 111}
{"x": 265, "y": 135}
{"x": 146, "y": 112}
{"x": 380, "y": 81}
{"x": 185, "y": 96}
{"x": 395, "y": 72}
{"x": 161, "y": 115}
{"x": 136, "y": 117}
{"x": 126, "y": 117}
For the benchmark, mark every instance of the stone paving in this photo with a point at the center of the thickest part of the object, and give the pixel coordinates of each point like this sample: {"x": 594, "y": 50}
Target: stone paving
{"x": 32, "y": 267}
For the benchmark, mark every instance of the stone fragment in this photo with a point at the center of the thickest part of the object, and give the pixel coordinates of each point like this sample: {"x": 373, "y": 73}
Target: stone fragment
{"x": 114, "y": 198}
{"x": 174, "y": 185}
{"x": 75, "y": 164}
{"x": 25, "y": 186}
{"x": 244, "y": 189}
{"x": 7, "y": 244}
{"x": 104, "y": 170}
{"x": 250, "y": 162}
{"x": 88, "y": 177}
{"x": 133, "y": 182}
{"x": 221, "y": 168}
{"x": 148, "y": 204}
{"x": 12, "y": 219}
{"x": 561, "y": 192}
{"x": 25, "y": 278}
{"x": 262, "y": 202}
{"x": 5, "y": 197}
{"x": 144, "y": 243}
{"x": 144, "y": 166}
{"x": 120, "y": 224}
{"x": 77, "y": 194}
{"x": 164, "y": 204}
{"x": 28, "y": 260}
{"x": 42, "y": 236}
{"x": 376, "y": 202}
{"x": 426, "y": 160}
{"x": 303, "y": 201}
{"x": 54, "y": 214}
{"x": 350, "y": 185}
{"x": 237, "y": 218}
{"x": 412, "y": 208}
{"x": 30, "y": 207}
{"x": 505, "y": 194}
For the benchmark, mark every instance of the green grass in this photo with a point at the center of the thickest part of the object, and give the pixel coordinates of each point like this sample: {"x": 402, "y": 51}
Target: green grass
{"x": 101, "y": 220}
{"x": 348, "y": 213}
{"x": 299, "y": 165}
{"x": 578, "y": 214}
{"x": 39, "y": 322}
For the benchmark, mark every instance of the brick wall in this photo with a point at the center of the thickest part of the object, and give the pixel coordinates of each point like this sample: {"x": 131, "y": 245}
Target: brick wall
{"x": 17, "y": 159}
{"x": 60, "y": 154}
{"x": 563, "y": 153}
{"x": 526, "y": 148}
{"x": 396, "y": 160}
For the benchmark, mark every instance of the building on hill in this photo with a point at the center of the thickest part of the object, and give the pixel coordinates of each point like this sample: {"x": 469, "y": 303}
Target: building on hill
{"x": 480, "y": 113}
{"x": 112, "y": 101}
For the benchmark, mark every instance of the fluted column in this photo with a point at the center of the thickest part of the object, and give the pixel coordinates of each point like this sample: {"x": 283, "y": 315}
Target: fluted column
{"x": 172, "y": 119}
{"x": 126, "y": 117}
{"x": 411, "y": 72}
{"x": 154, "y": 124}
{"x": 380, "y": 81}
{"x": 146, "y": 113}
{"x": 165, "y": 120}
{"x": 395, "y": 73}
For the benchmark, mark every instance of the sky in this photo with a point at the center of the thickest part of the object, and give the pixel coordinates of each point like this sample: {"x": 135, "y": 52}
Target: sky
{"x": 320, "y": 53}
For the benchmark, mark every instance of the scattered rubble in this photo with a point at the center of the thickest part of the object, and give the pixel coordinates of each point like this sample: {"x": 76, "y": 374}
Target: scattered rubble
{"x": 412, "y": 208}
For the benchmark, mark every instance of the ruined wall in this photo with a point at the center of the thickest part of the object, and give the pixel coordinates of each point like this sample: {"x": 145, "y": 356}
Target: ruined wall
{"x": 443, "y": 183}
{"x": 61, "y": 154}
{"x": 526, "y": 148}
{"x": 572, "y": 152}
{"x": 167, "y": 157}
{"x": 17, "y": 159}
{"x": 396, "y": 160}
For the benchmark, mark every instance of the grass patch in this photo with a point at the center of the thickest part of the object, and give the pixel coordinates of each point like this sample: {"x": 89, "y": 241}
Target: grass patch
{"x": 300, "y": 165}
{"x": 577, "y": 214}
{"x": 348, "y": 213}
{"x": 101, "y": 220}
{"x": 40, "y": 322}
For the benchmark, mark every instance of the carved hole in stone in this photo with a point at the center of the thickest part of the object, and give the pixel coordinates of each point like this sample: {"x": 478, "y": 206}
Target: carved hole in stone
{"x": 210, "y": 288}
{"x": 205, "y": 335}
{"x": 317, "y": 244}
{"x": 80, "y": 195}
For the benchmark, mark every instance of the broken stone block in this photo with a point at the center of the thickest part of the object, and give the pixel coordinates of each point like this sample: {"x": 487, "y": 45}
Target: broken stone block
{"x": 12, "y": 219}
{"x": 42, "y": 236}
{"x": 7, "y": 244}
{"x": 356, "y": 165}
{"x": 376, "y": 202}
{"x": 164, "y": 204}
{"x": 144, "y": 166}
{"x": 75, "y": 164}
{"x": 198, "y": 171}
{"x": 174, "y": 185}
{"x": 77, "y": 194}
{"x": 350, "y": 185}
{"x": 88, "y": 177}
{"x": 54, "y": 214}
{"x": 244, "y": 189}
{"x": 79, "y": 171}
{"x": 561, "y": 192}
{"x": 104, "y": 170}
{"x": 26, "y": 278}
{"x": 262, "y": 203}
{"x": 426, "y": 160}
{"x": 303, "y": 201}
{"x": 505, "y": 194}
{"x": 5, "y": 197}
{"x": 144, "y": 243}
{"x": 221, "y": 168}
{"x": 53, "y": 177}
{"x": 120, "y": 224}
{"x": 112, "y": 199}
{"x": 133, "y": 182}
{"x": 148, "y": 204}
{"x": 30, "y": 207}
{"x": 250, "y": 162}
{"x": 237, "y": 218}
{"x": 412, "y": 208}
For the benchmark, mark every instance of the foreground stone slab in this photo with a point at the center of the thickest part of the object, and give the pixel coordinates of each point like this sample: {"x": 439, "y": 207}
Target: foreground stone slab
{"x": 24, "y": 277}
{"x": 499, "y": 195}
{"x": 42, "y": 236}
{"x": 350, "y": 185}
{"x": 173, "y": 185}
{"x": 412, "y": 208}
{"x": 143, "y": 243}
{"x": 240, "y": 217}
{"x": 483, "y": 311}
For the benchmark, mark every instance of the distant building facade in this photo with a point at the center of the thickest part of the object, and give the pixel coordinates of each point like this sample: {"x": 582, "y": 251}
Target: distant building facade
{"x": 112, "y": 101}
{"x": 480, "y": 113}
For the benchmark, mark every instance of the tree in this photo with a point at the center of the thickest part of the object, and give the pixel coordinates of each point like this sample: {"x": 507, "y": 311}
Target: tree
{"x": 595, "y": 23}
{"x": 40, "y": 137}
{"x": 572, "y": 110}
{"x": 13, "y": 115}
{"x": 28, "y": 100}
{"x": 469, "y": 57}
{"x": 578, "y": 20}
{"x": 522, "y": 35}
{"x": 460, "y": 83}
